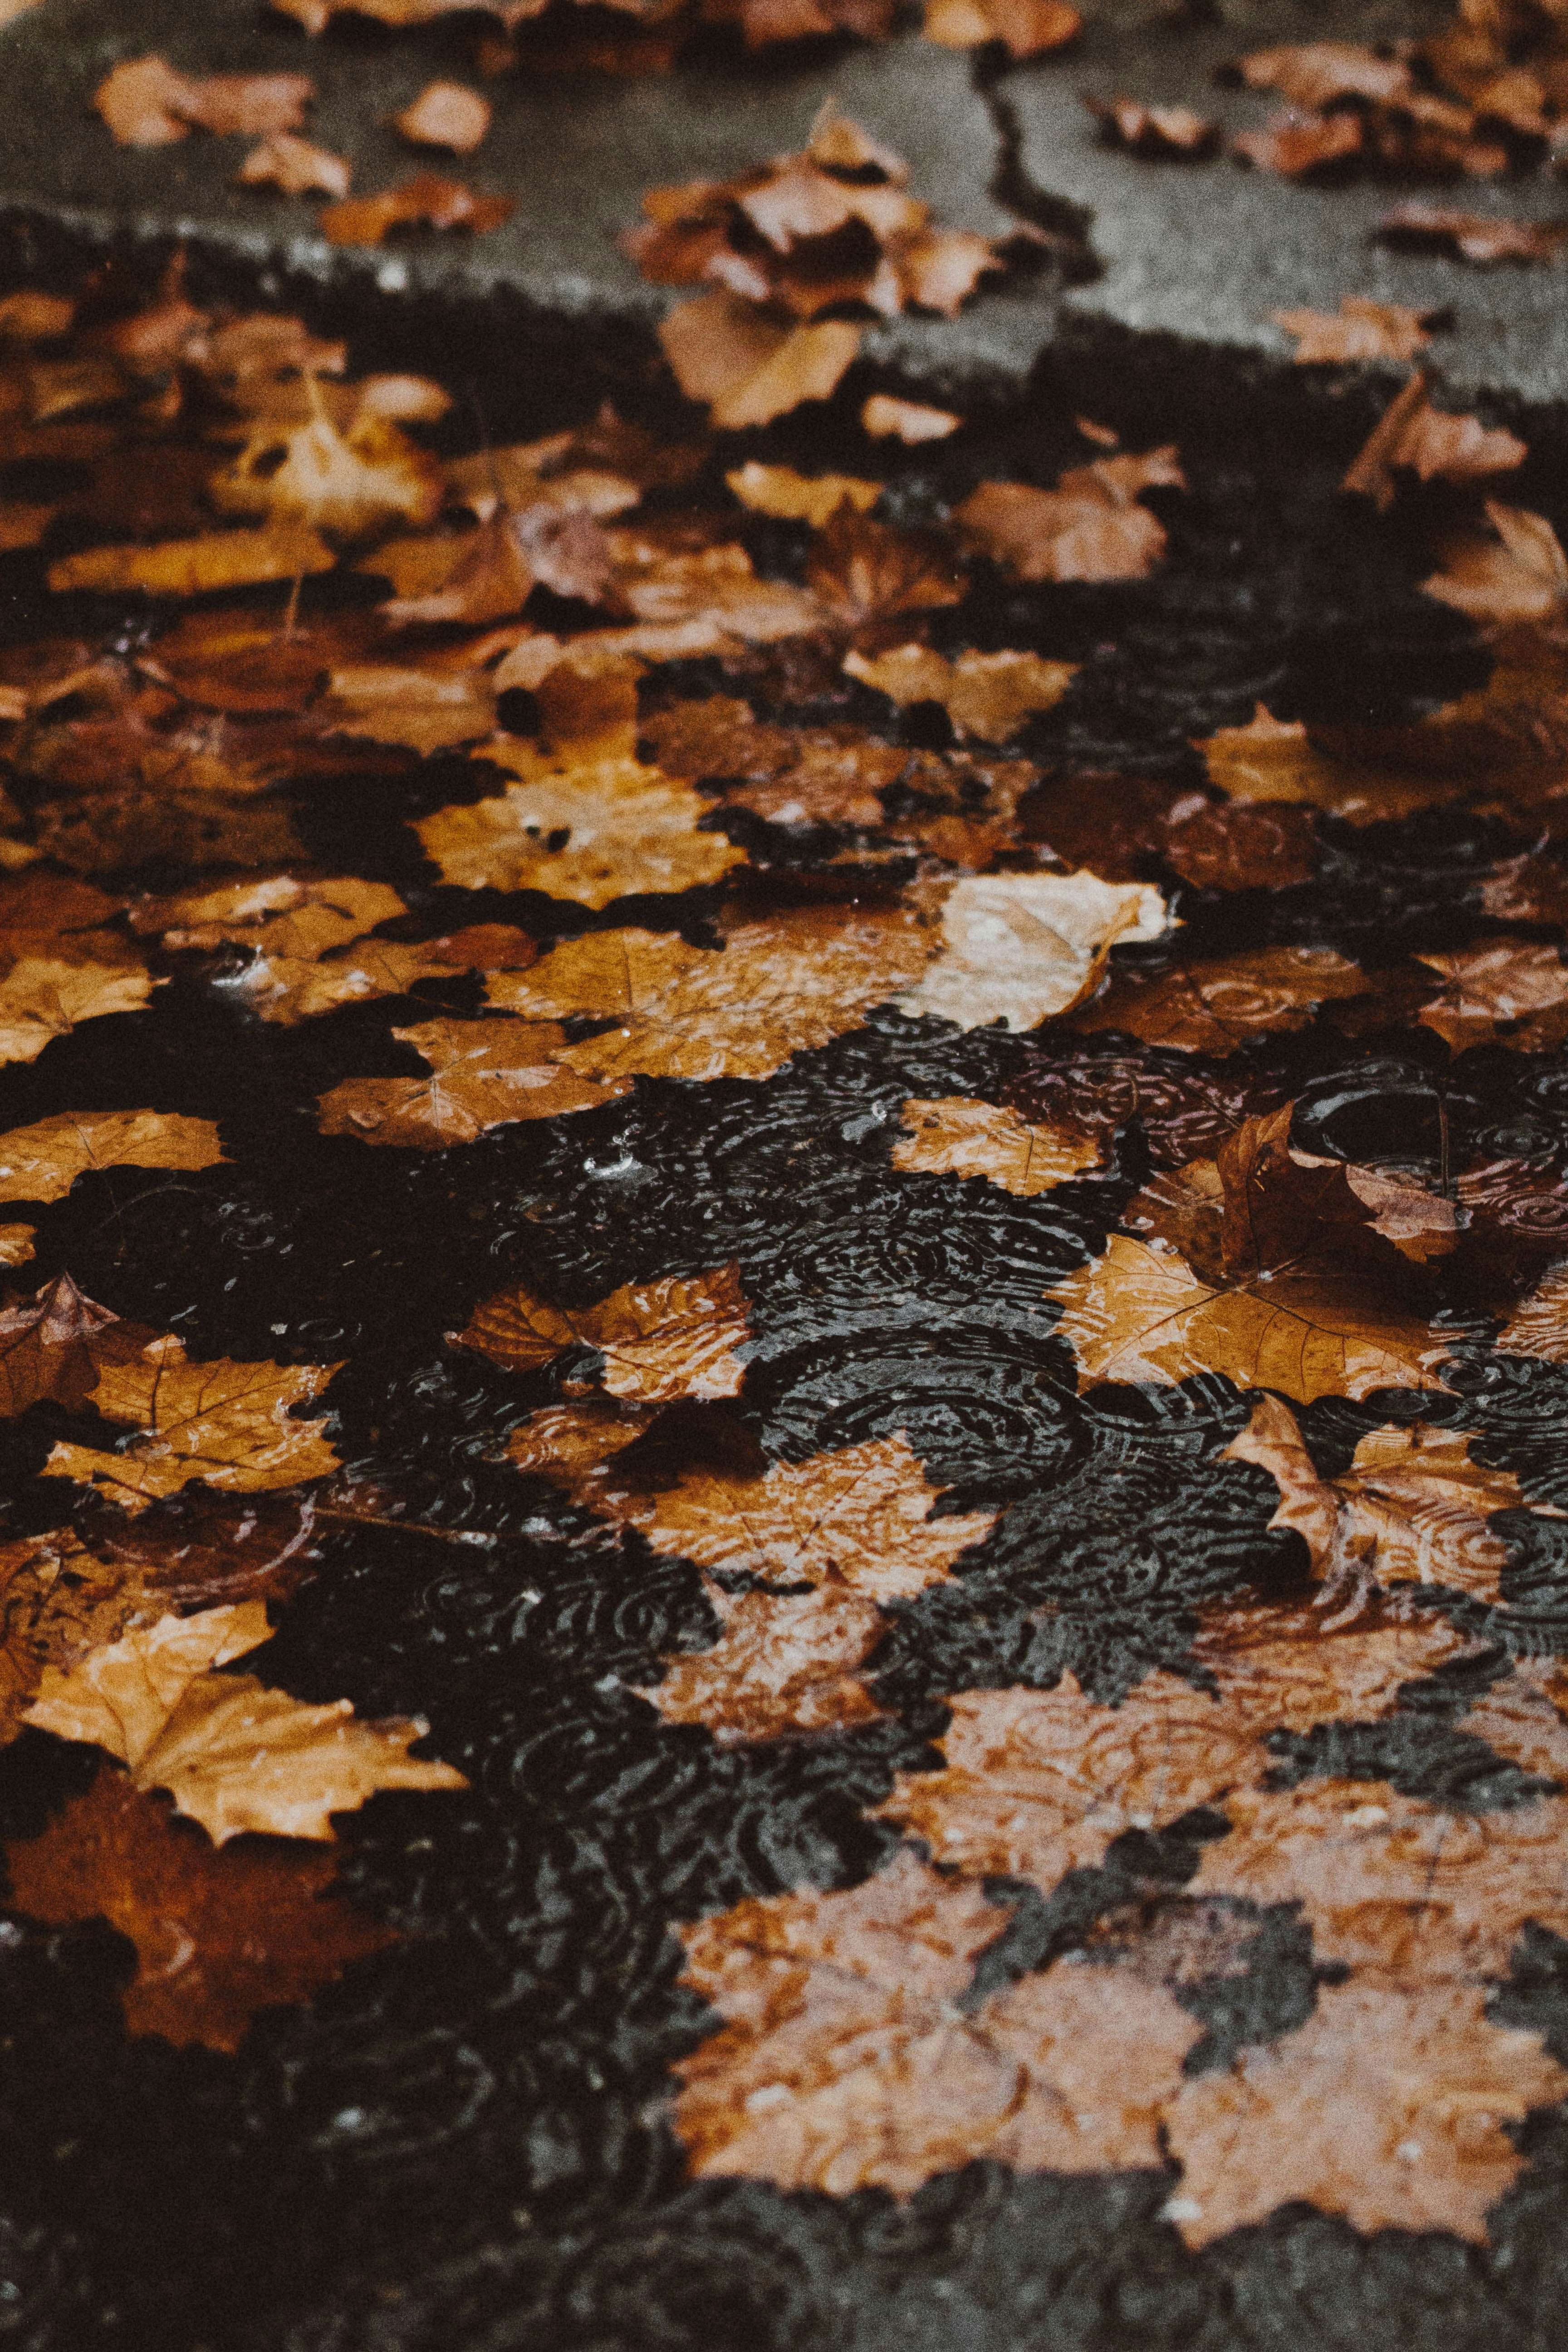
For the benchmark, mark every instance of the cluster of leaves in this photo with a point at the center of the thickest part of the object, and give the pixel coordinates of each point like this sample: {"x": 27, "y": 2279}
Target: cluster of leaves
{"x": 544, "y": 684}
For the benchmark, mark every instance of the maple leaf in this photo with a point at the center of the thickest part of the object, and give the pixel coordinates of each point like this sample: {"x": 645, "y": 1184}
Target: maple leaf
{"x": 909, "y": 421}
{"x": 197, "y": 567}
{"x": 350, "y": 483}
{"x": 227, "y": 1423}
{"x": 1413, "y": 435}
{"x": 1539, "y": 1324}
{"x": 1386, "y": 2106}
{"x": 484, "y": 1074}
{"x": 295, "y": 166}
{"x": 41, "y": 1162}
{"x": 1116, "y": 824}
{"x": 985, "y": 695}
{"x": 288, "y": 913}
{"x": 662, "y": 1339}
{"x": 869, "y": 576}
{"x": 1017, "y": 948}
{"x": 957, "y": 1136}
{"x": 58, "y": 1344}
{"x": 844, "y": 2062}
{"x": 217, "y": 1939}
{"x": 1174, "y": 132}
{"x": 426, "y": 709}
{"x": 791, "y": 775}
{"x": 585, "y": 825}
{"x": 1362, "y": 330}
{"x": 1473, "y": 236}
{"x": 444, "y": 114}
{"x": 784, "y": 1664}
{"x": 1515, "y": 570}
{"x": 779, "y": 491}
{"x": 748, "y": 368}
{"x": 1496, "y": 984}
{"x": 1090, "y": 526}
{"x": 56, "y": 1600}
{"x": 145, "y": 103}
{"x": 1027, "y": 28}
{"x": 1275, "y": 760}
{"x": 233, "y": 1755}
{"x": 1215, "y": 1005}
{"x": 1522, "y": 1717}
{"x": 777, "y": 987}
{"x": 426, "y": 200}
{"x": 42, "y": 998}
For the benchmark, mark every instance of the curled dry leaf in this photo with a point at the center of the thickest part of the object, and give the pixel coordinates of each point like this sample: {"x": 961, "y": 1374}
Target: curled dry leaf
{"x": 986, "y": 696}
{"x": 1514, "y": 984}
{"x": 484, "y": 1074}
{"x": 146, "y": 103}
{"x": 956, "y": 1136}
{"x": 41, "y": 1162}
{"x": 227, "y": 1423}
{"x": 582, "y": 826}
{"x": 845, "y": 2062}
{"x": 1364, "y": 330}
{"x": 660, "y": 1339}
{"x": 747, "y": 368}
{"x": 1215, "y": 1005}
{"x": 197, "y": 567}
{"x": 1473, "y": 236}
{"x": 233, "y": 1755}
{"x": 446, "y": 115}
{"x": 1165, "y": 133}
{"x": 1017, "y": 948}
{"x": 776, "y": 987}
{"x": 426, "y": 201}
{"x": 800, "y": 497}
{"x": 1090, "y": 526}
{"x": 217, "y": 1939}
{"x": 1513, "y": 571}
{"x": 1027, "y": 28}
{"x": 1386, "y": 2106}
{"x": 1414, "y": 436}
{"x": 909, "y": 421}
{"x": 296, "y": 167}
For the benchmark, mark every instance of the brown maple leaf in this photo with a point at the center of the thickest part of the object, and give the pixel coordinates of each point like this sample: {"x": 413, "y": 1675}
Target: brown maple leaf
{"x": 1119, "y": 825}
{"x": 780, "y": 491}
{"x": 1017, "y": 948}
{"x": 1090, "y": 526}
{"x": 791, "y": 775}
{"x": 844, "y": 2062}
{"x": 1166, "y": 132}
{"x": 427, "y": 201}
{"x": 869, "y": 577}
{"x": 592, "y": 825}
{"x": 43, "y": 997}
{"x": 58, "y": 1599}
{"x": 1362, "y": 330}
{"x": 233, "y": 1755}
{"x": 1513, "y": 986}
{"x": 777, "y": 987}
{"x": 1026, "y": 29}
{"x": 295, "y": 166}
{"x": 57, "y": 1346}
{"x": 1513, "y": 571}
{"x": 218, "y": 1937}
{"x": 315, "y": 476}
{"x": 41, "y": 1162}
{"x": 660, "y": 1340}
{"x": 444, "y": 114}
{"x": 1387, "y": 2106}
{"x": 1215, "y": 1006}
{"x": 197, "y": 567}
{"x": 987, "y": 696}
{"x": 227, "y": 1423}
{"x": 484, "y": 1074}
{"x": 1473, "y": 236}
{"x": 1414, "y": 436}
{"x": 747, "y": 368}
{"x": 956, "y": 1136}
{"x": 1539, "y": 1324}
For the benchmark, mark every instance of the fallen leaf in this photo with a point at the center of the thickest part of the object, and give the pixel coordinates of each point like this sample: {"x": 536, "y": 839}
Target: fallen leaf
{"x": 146, "y": 103}
{"x": 748, "y": 368}
{"x": 227, "y": 1423}
{"x": 1215, "y": 1006}
{"x": 426, "y": 201}
{"x": 1027, "y": 28}
{"x": 1387, "y": 2106}
{"x": 425, "y": 710}
{"x": 1090, "y": 526}
{"x": 1515, "y": 570}
{"x": 41, "y": 1162}
{"x": 845, "y": 2062}
{"x": 1515, "y": 985}
{"x": 1521, "y": 1717}
{"x": 296, "y": 167}
{"x": 784, "y": 1664}
{"x": 42, "y": 998}
{"x": 1163, "y": 132}
{"x": 1017, "y": 948}
{"x": 1313, "y": 74}
{"x": 909, "y": 421}
{"x": 1414, "y": 435}
{"x": 1539, "y": 1324}
{"x": 987, "y": 696}
{"x": 777, "y": 987}
{"x": 485, "y": 1074}
{"x": 56, "y": 1601}
{"x": 217, "y": 1939}
{"x": 1363, "y": 330}
{"x": 30, "y": 316}
{"x": 1473, "y": 236}
{"x": 1303, "y": 147}
{"x": 1275, "y": 760}
{"x": 197, "y": 567}
{"x": 791, "y": 775}
{"x": 580, "y": 826}
{"x": 800, "y": 497}
{"x": 869, "y": 576}
{"x": 349, "y": 484}
{"x": 233, "y": 1755}
{"x": 956, "y": 1136}
{"x": 660, "y": 1340}
{"x": 444, "y": 114}
{"x": 280, "y": 914}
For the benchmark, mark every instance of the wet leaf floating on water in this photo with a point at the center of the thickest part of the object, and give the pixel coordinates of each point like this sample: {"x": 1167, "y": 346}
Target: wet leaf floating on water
{"x": 660, "y": 1340}
{"x": 233, "y": 1755}
{"x": 484, "y": 1074}
{"x": 748, "y": 368}
{"x": 1215, "y": 1006}
{"x": 41, "y": 1162}
{"x": 960, "y": 1137}
{"x": 1018, "y": 947}
{"x": 227, "y": 1423}
{"x": 1539, "y": 1324}
{"x": 218, "y": 1937}
{"x": 42, "y": 998}
{"x": 1498, "y": 986}
{"x": 1275, "y": 760}
{"x": 986, "y": 696}
{"x": 58, "y": 1344}
{"x": 1090, "y": 526}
